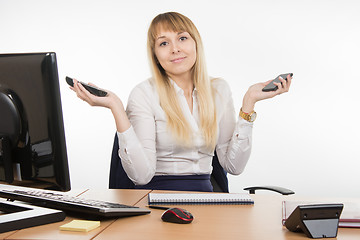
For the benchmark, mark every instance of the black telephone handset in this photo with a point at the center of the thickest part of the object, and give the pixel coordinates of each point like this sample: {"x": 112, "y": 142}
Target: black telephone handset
{"x": 93, "y": 90}
{"x": 271, "y": 86}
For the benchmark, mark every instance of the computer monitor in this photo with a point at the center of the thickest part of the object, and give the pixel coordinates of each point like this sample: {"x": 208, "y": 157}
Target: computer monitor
{"x": 32, "y": 139}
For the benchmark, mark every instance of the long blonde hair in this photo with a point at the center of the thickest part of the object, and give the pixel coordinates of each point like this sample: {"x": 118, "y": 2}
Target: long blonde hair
{"x": 176, "y": 120}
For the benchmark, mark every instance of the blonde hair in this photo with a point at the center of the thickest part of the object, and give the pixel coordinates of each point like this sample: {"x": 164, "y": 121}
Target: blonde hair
{"x": 176, "y": 120}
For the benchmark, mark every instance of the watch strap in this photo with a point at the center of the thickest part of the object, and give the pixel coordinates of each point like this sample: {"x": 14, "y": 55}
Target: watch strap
{"x": 247, "y": 116}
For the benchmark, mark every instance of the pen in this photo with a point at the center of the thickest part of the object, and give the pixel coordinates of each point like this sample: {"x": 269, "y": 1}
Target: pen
{"x": 158, "y": 207}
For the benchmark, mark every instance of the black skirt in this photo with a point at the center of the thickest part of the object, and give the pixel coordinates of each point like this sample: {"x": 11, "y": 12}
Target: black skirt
{"x": 199, "y": 183}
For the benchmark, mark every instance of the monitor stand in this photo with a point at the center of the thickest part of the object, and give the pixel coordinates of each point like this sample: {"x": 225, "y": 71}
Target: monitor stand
{"x": 18, "y": 216}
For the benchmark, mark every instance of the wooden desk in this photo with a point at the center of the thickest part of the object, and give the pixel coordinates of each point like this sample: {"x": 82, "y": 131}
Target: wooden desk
{"x": 259, "y": 221}
{"x": 51, "y": 231}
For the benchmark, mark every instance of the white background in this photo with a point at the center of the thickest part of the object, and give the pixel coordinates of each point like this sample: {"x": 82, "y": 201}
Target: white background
{"x": 306, "y": 140}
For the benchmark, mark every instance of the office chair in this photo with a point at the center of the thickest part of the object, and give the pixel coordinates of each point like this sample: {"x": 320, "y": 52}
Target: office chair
{"x": 118, "y": 178}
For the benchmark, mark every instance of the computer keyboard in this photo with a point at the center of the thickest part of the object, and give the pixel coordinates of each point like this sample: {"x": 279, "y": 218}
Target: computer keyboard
{"x": 74, "y": 204}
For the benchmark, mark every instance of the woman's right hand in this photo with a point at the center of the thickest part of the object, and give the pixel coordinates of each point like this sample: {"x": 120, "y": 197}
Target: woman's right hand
{"x": 109, "y": 101}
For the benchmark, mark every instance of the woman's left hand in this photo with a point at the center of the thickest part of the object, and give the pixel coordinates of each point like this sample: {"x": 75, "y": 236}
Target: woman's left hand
{"x": 255, "y": 93}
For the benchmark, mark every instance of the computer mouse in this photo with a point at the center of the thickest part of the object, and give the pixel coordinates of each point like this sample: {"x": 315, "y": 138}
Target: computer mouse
{"x": 177, "y": 215}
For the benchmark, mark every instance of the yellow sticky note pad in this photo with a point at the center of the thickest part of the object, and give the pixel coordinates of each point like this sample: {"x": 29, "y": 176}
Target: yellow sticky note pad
{"x": 80, "y": 225}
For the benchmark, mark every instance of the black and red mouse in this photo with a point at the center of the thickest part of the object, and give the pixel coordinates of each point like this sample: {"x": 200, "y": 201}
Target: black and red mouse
{"x": 177, "y": 215}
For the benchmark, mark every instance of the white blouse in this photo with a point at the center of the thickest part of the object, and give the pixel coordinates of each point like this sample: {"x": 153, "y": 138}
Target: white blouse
{"x": 147, "y": 148}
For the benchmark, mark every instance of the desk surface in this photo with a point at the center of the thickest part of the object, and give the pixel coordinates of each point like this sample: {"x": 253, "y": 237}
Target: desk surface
{"x": 259, "y": 221}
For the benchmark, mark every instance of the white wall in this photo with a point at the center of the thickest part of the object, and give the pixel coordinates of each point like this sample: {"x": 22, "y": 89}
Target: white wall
{"x": 306, "y": 140}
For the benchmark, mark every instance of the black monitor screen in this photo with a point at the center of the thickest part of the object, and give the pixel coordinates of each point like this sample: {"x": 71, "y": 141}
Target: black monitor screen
{"x": 32, "y": 138}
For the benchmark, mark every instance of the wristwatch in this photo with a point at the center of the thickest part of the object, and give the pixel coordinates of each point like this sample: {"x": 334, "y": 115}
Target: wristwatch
{"x": 250, "y": 117}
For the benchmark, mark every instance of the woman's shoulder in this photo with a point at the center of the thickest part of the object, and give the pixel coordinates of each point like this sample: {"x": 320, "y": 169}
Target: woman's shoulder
{"x": 143, "y": 89}
{"x": 219, "y": 82}
{"x": 221, "y": 87}
{"x": 144, "y": 85}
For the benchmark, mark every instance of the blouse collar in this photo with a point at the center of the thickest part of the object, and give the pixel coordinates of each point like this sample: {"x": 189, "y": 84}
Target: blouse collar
{"x": 179, "y": 90}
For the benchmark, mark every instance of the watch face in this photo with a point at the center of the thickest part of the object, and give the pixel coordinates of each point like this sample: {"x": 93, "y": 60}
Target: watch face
{"x": 253, "y": 117}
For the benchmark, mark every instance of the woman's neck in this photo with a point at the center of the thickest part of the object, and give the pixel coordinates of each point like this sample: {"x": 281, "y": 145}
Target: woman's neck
{"x": 185, "y": 83}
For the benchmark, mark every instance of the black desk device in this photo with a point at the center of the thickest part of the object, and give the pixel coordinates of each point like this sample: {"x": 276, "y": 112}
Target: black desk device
{"x": 316, "y": 221}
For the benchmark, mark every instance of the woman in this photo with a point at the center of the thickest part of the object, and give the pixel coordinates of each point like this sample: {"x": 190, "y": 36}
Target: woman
{"x": 175, "y": 120}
